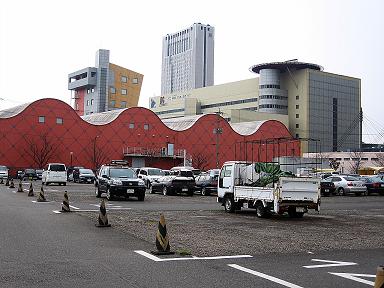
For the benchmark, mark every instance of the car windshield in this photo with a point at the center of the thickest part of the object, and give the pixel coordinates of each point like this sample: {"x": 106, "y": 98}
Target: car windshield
{"x": 156, "y": 172}
{"x": 186, "y": 173}
{"x": 3, "y": 168}
{"x": 350, "y": 178}
{"x": 29, "y": 170}
{"x": 57, "y": 168}
{"x": 374, "y": 179}
{"x": 122, "y": 173}
{"x": 86, "y": 171}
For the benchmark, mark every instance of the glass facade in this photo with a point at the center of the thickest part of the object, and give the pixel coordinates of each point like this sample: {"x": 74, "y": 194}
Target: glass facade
{"x": 334, "y": 111}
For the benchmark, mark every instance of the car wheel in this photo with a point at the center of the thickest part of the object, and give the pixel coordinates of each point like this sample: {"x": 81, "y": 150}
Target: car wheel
{"x": 97, "y": 192}
{"x": 203, "y": 191}
{"x": 141, "y": 196}
{"x": 341, "y": 191}
{"x": 261, "y": 212}
{"x": 65, "y": 184}
{"x": 109, "y": 195}
{"x": 46, "y": 183}
{"x": 165, "y": 191}
{"x": 190, "y": 192}
{"x": 229, "y": 205}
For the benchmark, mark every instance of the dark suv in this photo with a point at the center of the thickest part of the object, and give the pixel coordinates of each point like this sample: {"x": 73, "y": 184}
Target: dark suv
{"x": 119, "y": 181}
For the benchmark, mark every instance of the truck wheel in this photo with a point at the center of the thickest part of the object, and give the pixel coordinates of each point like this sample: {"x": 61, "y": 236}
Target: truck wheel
{"x": 98, "y": 192}
{"x": 261, "y": 212}
{"x": 229, "y": 205}
{"x": 293, "y": 214}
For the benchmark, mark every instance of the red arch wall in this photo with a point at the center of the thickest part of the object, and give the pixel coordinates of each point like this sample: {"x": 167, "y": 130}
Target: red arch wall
{"x": 18, "y": 135}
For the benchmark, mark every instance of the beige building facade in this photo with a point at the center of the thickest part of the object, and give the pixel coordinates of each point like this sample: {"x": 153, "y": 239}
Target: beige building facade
{"x": 310, "y": 102}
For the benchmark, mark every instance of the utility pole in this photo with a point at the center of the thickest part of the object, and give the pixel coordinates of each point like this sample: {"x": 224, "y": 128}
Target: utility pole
{"x": 218, "y": 130}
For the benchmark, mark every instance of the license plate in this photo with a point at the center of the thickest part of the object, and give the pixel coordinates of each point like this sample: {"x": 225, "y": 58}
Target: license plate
{"x": 130, "y": 191}
{"x": 89, "y": 180}
{"x": 326, "y": 190}
{"x": 299, "y": 209}
{"x": 382, "y": 185}
{"x": 184, "y": 190}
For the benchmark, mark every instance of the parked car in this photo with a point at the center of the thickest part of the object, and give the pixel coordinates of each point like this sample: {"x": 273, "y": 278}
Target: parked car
{"x": 375, "y": 184}
{"x": 180, "y": 181}
{"x": 83, "y": 175}
{"x": 54, "y": 173}
{"x": 20, "y": 174}
{"x": 195, "y": 171}
{"x": 207, "y": 183}
{"x": 118, "y": 180}
{"x": 29, "y": 174}
{"x": 347, "y": 184}
{"x": 149, "y": 174}
{"x": 3, "y": 172}
{"x": 327, "y": 187}
{"x": 39, "y": 173}
{"x": 70, "y": 170}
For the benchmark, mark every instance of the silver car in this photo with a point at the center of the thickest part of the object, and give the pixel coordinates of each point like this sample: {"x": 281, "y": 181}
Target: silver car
{"x": 348, "y": 184}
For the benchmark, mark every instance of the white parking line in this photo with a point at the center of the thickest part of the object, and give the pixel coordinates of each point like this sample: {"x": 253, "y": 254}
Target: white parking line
{"x": 157, "y": 259}
{"x": 265, "y": 276}
{"x": 331, "y": 263}
{"x": 354, "y": 277}
{"x": 34, "y": 201}
{"x": 74, "y": 207}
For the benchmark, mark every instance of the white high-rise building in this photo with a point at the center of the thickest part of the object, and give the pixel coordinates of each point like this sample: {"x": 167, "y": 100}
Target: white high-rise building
{"x": 188, "y": 59}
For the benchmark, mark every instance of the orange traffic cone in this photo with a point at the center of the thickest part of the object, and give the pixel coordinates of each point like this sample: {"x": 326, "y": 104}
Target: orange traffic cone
{"x": 162, "y": 240}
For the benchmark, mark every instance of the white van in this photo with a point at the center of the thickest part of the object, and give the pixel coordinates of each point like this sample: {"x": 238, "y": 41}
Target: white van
{"x": 54, "y": 173}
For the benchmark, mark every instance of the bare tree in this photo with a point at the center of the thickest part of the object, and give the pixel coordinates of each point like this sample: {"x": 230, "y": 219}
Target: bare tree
{"x": 40, "y": 149}
{"x": 334, "y": 164}
{"x": 97, "y": 156}
{"x": 199, "y": 160}
{"x": 379, "y": 159}
{"x": 356, "y": 161}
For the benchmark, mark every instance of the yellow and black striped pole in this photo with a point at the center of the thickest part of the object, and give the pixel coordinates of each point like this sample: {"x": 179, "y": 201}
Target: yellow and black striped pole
{"x": 379, "y": 281}
{"x": 2, "y": 181}
{"x": 12, "y": 185}
{"x": 65, "y": 205}
{"x": 30, "y": 192}
{"x": 162, "y": 240}
{"x": 41, "y": 197}
{"x": 7, "y": 182}
{"x": 103, "y": 219}
{"x": 20, "y": 188}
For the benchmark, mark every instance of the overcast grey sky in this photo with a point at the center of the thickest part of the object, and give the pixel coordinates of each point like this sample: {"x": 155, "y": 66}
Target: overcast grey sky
{"x": 42, "y": 41}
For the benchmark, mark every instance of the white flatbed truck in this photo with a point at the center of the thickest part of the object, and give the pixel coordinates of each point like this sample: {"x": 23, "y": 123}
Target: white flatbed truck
{"x": 288, "y": 194}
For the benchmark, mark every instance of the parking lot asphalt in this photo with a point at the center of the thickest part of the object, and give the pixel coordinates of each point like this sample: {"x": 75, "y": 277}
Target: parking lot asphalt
{"x": 200, "y": 226}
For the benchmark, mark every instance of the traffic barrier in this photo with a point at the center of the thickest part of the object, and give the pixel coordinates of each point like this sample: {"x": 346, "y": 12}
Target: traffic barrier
{"x": 7, "y": 182}
{"x": 20, "y": 188}
{"x": 12, "y": 185}
{"x": 65, "y": 205}
{"x": 162, "y": 240}
{"x": 41, "y": 197}
{"x": 30, "y": 192}
{"x": 379, "y": 281}
{"x": 103, "y": 219}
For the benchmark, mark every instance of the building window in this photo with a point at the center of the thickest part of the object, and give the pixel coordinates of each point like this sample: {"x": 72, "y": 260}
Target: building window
{"x": 297, "y": 136}
{"x": 123, "y": 91}
{"x": 41, "y": 119}
{"x": 93, "y": 74}
{"x": 59, "y": 120}
{"x": 297, "y": 125}
{"x": 123, "y": 104}
{"x": 87, "y": 102}
{"x": 135, "y": 81}
{"x": 113, "y": 103}
{"x": 297, "y": 106}
{"x": 91, "y": 102}
{"x": 124, "y": 79}
{"x": 131, "y": 125}
{"x": 297, "y": 97}
{"x": 113, "y": 90}
{"x": 297, "y": 115}
{"x": 146, "y": 126}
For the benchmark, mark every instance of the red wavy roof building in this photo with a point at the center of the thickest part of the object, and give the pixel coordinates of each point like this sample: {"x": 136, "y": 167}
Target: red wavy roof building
{"x": 49, "y": 130}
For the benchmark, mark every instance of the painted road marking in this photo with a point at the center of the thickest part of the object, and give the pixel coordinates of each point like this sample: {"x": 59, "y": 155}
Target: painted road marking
{"x": 354, "y": 277}
{"x": 74, "y": 207}
{"x": 59, "y": 212}
{"x": 265, "y": 276}
{"x": 34, "y": 201}
{"x": 332, "y": 264}
{"x": 56, "y": 211}
{"x": 112, "y": 207}
{"x": 157, "y": 259}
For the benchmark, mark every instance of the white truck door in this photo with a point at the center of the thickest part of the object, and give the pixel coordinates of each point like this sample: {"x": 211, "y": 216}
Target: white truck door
{"x": 225, "y": 183}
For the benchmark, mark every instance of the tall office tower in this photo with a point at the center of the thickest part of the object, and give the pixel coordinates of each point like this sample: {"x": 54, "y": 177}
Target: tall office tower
{"x": 104, "y": 87}
{"x": 188, "y": 59}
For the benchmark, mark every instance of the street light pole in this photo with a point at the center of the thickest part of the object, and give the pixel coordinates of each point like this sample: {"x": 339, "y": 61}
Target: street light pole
{"x": 71, "y": 154}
